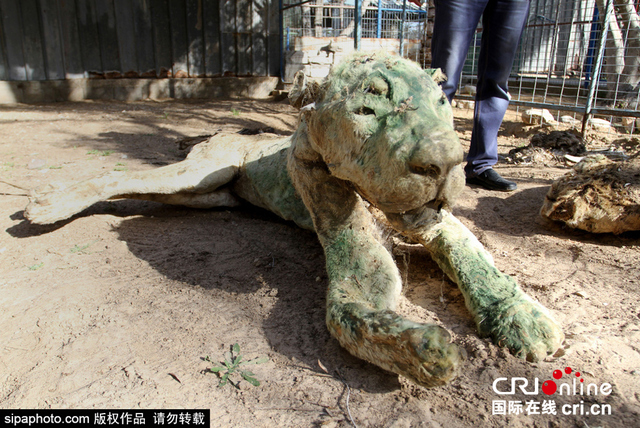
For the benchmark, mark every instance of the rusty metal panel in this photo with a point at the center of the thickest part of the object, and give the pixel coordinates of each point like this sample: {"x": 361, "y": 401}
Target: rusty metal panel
{"x": 126, "y": 37}
{"x": 108, "y": 37}
{"x": 4, "y": 66}
{"x": 32, "y": 41}
{"x": 70, "y": 36}
{"x": 196, "y": 38}
{"x": 88, "y": 33}
{"x": 52, "y": 39}
{"x": 243, "y": 37}
{"x": 211, "y": 18}
{"x": 13, "y": 33}
{"x": 144, "y": 38}
{"x": 228, "y": 40}
{"x": 179, "y": 39}
{"x": 66, "y": 39}
{"x": 161, "y": 37}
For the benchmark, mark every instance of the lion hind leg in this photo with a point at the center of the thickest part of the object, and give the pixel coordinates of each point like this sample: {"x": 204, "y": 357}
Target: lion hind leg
{"x": 218, "y": 198}
{"x": 49, "y": 205}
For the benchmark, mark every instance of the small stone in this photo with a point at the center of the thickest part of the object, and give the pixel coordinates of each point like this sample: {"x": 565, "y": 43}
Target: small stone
{"x": 36, "y": 164}
{"x": 570, "y": 120}
{"x": 468, "y": 90}
{"x": 599, "y": 124}
{"x": 537, "y": 116}
{"x": 582, "y": 294}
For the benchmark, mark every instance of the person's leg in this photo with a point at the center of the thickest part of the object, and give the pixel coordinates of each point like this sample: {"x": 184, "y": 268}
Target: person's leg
{"x": 455, "y": 24}
{"x": 503, "y": 22}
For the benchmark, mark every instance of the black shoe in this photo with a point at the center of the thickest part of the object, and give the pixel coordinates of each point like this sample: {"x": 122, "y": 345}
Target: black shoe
{"x": 491, "y": 180}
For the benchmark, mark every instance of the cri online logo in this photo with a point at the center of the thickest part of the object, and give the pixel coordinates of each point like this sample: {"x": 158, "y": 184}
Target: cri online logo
{"x": 575, "y": 386}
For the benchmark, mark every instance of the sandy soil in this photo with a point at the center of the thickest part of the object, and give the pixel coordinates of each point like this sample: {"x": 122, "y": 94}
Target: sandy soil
{"x": 118, "y": 307}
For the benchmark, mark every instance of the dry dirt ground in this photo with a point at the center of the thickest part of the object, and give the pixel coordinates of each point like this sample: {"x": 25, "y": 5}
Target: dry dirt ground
{"x": 118, "y": 307}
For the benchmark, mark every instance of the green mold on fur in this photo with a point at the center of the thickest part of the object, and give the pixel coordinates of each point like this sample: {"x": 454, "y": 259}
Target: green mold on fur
{"x": 380, "y": 135}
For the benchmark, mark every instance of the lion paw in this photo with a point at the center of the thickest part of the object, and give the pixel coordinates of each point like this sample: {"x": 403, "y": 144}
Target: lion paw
{"x": 421, "y": 352}
{"x": 523, "y": 326}
{"x": 49, "y": 205}
{"x": 437, "y": 361}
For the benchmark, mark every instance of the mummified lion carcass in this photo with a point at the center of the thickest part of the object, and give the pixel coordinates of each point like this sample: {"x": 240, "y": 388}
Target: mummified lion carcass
{"x": 380, "y": 134}
{"x": 598, "y": 195}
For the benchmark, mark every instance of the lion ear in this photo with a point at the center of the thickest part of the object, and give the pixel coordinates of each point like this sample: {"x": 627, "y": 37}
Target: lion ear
{"x": 436, "y": 74}
{"x": 305, "y": 91}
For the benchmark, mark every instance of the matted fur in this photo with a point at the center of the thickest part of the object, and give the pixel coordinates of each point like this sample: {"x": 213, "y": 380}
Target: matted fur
{"x": 598, "y": 195}
{"x": 380, "y": 133}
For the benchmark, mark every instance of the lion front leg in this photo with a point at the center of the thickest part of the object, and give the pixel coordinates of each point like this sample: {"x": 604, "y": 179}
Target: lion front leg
{"x": 364, "y": 286}
{"x": 500, "y": 308}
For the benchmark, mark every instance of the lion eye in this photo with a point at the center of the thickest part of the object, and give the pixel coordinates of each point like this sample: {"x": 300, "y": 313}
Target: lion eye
{"x": 432, "y": 171}
{"x": 365, "y": 111}
{"x": 377, "y": 86}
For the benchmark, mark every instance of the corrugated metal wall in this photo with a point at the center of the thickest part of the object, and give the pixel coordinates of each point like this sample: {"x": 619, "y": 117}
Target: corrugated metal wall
{"x": 66, "y": 39}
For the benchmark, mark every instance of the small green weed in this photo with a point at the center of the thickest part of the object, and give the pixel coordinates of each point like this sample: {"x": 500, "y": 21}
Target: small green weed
{"x": 80, "y": 249}
{"x": 232, "y": 364}
{"x": 55, "y": 167}
{"x": 37, "y": 266}
{"x": 235, "y": 112}
{"x": 120, "y": 167}
{"x": 100, "y": 152}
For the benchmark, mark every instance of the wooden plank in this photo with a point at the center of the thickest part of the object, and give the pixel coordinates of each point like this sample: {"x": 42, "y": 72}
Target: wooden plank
{"x": 71, "y": 52}
{"x": 126, "y": 37}
{"x": 108, "y": 36}
{"x": 212, "y": 60}
{"x": 88, "y": 33}
{"x": 179, "y": 40}
{"x": 243, "y": 40}
{"x": 52, "y": 39}
{"x": 13, "y": 33}
{"x": 161, "y": 37}
{"x": 196, "y": 38}
{"x": 144, "y": 38}
{"x": 228, "y": 42}
{"x": 259, "y": 35}
{"x": 33, "y": 49}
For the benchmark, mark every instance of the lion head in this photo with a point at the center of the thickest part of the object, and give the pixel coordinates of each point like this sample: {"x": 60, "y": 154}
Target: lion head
{"x": 383, "y": 124}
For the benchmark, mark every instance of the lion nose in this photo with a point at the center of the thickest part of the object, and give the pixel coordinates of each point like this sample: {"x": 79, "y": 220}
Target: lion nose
{"x": 435, "y": 154}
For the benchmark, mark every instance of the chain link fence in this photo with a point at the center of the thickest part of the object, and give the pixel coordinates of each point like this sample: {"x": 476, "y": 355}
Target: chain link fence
{"x": 578, "y": 59}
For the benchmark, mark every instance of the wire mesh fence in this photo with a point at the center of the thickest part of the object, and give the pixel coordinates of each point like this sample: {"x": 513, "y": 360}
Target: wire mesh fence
{"x": 579, "y": 59}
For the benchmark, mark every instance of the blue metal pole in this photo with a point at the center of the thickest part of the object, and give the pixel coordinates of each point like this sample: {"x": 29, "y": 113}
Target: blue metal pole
{"x": 595, "y": 76}
{"x": 593, "y": 39}
{"x": 404, "y": 17}
{"x": 358, "y": 28}
{"x": 281, "y": 22}
{"x": 379, "y": 26}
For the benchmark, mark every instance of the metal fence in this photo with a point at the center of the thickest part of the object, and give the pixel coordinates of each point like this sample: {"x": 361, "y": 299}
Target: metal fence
{"x": 576, "y": 58}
